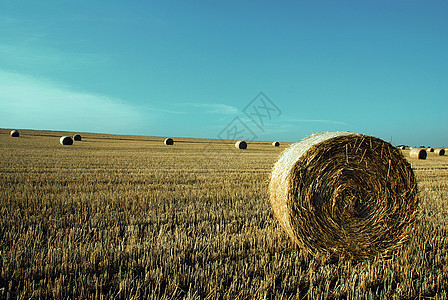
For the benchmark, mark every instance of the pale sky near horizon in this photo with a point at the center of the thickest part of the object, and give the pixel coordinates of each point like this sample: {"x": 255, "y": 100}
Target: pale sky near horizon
{"x": 197, "y": 68}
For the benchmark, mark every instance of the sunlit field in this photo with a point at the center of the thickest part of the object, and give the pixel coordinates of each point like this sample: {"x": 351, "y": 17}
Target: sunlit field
{"x": 128, "y": 217}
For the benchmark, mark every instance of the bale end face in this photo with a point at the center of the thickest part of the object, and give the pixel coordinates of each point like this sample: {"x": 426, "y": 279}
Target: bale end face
{"x": 14, "y": 133}
{"x": 77, "y": 137}
{"x": 241, "y": 145}
{"x": 169, "y": 142}
{"x": 66, "y": 140}
{"x": 344, "y": 193}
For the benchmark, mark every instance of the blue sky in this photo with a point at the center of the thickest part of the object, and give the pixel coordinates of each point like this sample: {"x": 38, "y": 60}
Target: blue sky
{"x": 190, "y": 69}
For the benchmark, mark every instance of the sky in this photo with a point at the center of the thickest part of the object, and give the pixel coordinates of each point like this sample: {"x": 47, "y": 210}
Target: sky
{"x": 259, "y": 70}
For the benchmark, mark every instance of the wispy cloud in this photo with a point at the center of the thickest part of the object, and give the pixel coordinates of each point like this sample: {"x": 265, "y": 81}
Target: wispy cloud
{"x": 190, "y": 108}
{"x": 319, "y": 121}
{"x": 213, "y": 108}
{"x": 20, "y": 56}
{"x": 30, "y": 102}
{"x": 8, "y": 20}
{"x": 157, "y": 109}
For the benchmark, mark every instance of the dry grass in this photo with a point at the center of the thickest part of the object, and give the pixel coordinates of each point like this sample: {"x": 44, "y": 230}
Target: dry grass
{"x": 127, "y": 217}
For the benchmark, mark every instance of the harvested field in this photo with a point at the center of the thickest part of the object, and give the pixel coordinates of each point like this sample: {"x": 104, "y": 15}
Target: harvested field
{"x": 127, "y": 217}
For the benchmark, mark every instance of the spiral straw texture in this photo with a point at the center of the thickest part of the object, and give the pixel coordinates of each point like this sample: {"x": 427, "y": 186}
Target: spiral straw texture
{"x": 344, "y": 193}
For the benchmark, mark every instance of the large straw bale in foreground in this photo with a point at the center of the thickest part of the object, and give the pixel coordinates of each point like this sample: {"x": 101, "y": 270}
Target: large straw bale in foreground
{"x": 344, "y": 193}
{"x": 419, "y": 153}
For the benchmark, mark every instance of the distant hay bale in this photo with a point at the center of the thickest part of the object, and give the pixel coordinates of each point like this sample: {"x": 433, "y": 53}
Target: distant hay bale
{"x": 241, "y": 145}
{"x": 344, "y": 193}
{"x": 403, "y": 147}
{"x": 169, "y": 141}
{"x": 14, "y": 133}
{"x": 77, "y": 137}
{"x": 66, "y": 140}
{"x": 440, "y": 152}
{"x": 430, "y": 149}
{"x": 276, "y": 144}
{"x": 419, "y": 153}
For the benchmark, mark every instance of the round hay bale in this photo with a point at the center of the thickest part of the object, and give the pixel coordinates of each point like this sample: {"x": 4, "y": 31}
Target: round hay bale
{"x": 419, "y": 153}
{"x": 169, "y": 141}
{"x": 66, "y": 140}
{"x": 276, "y": 144}
{"x": 403, "y": 147}
{"x": 344, "y": 193}
{"x": 430, "y": 149}
{"x": 14, "y": 133}
{"x": 440, "y": 152}
{"x": 77, "y": 137}
{"x": 241, "y": 145}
